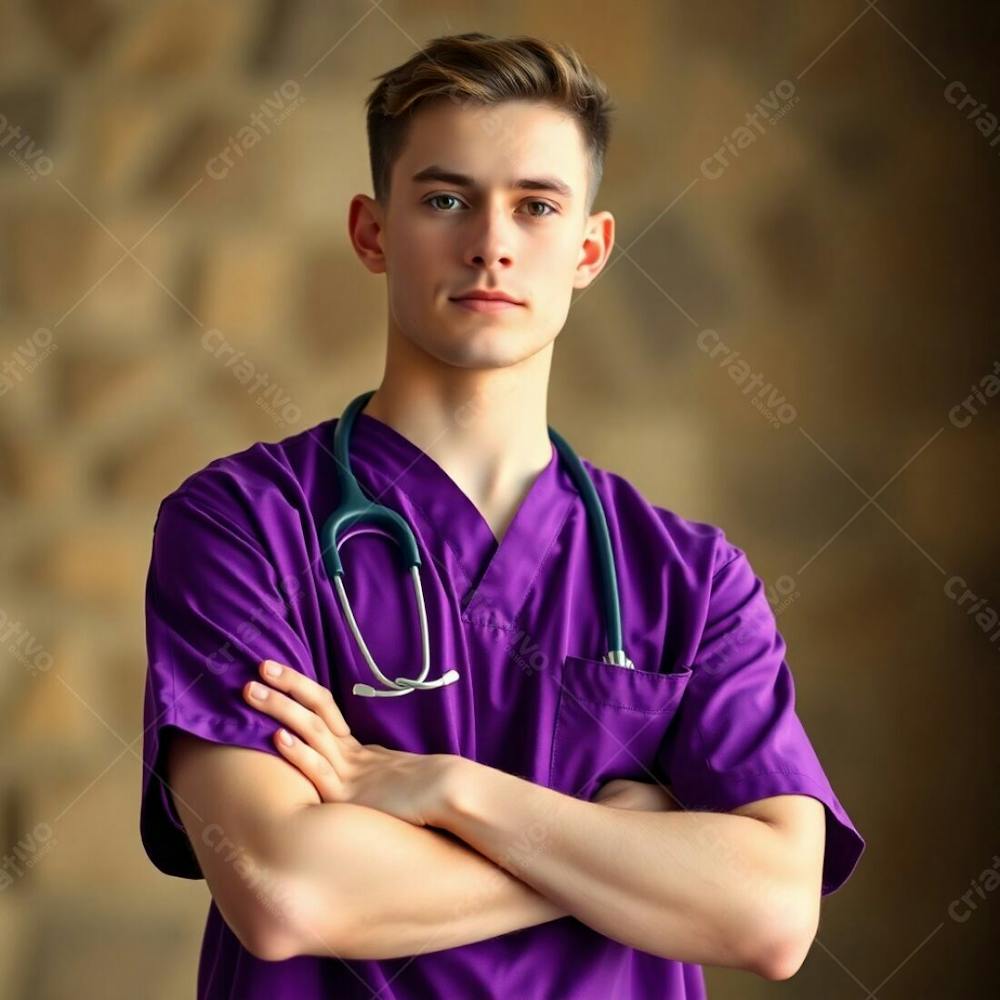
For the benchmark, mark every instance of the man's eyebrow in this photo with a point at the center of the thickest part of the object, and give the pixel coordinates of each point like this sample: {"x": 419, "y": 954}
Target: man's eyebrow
{"x": 548, "y": 183}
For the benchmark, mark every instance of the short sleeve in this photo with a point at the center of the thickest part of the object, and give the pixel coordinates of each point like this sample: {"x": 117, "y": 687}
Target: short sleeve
{"x": 736, "y": 737}
{"x": 215, "y": 608}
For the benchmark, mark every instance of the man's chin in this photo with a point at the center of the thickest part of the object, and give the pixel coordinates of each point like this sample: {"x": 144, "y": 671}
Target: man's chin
{"x": 482, "y": 356}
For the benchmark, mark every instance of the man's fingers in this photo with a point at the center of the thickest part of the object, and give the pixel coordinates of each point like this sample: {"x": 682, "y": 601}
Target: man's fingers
{"x": 623, "y": 793}
{"x": 306, "y": 692}
{"x": 303, "y": 722}
{"x": 311, "y": 763}
{"x": 613, "y": 789}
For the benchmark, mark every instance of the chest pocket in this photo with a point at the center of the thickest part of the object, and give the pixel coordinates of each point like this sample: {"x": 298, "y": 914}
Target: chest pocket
{"x": 610, "y": 722}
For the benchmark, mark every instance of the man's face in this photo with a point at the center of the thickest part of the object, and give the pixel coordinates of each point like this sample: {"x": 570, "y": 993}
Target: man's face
{"x": 442, "y": 237}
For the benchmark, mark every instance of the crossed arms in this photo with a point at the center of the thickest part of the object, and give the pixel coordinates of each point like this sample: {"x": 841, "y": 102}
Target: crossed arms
{"x": 483, "y": 853}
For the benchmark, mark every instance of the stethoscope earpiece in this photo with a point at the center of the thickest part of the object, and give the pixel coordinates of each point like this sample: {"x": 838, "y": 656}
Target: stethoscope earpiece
{"x": 447, "y": 678}
{"x": 407, "y": 685}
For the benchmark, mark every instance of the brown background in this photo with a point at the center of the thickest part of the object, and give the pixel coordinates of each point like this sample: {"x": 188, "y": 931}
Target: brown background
{"x": 848, "y": 253}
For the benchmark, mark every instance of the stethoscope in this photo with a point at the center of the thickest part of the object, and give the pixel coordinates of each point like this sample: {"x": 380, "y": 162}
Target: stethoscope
{"x": 355, "y": 508}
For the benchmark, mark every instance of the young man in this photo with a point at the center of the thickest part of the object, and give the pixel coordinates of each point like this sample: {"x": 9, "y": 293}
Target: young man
{"x": 510, "y": 833}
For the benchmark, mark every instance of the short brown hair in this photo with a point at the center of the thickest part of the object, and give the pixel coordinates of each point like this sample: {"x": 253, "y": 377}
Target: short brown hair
{"x": 485, "y": 70}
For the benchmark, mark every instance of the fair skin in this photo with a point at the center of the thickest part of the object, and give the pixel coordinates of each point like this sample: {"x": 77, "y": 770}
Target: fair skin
{"x": 427, "y": 851}
{"x": 742, "y": 890}
{"x": 470, "y": 389}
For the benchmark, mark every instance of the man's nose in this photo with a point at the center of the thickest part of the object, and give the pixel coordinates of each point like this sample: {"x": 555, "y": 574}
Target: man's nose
{"x": 491, "y": 241}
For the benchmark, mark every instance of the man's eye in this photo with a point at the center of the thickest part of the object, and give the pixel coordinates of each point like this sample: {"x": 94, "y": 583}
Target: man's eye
{"x": 541, "y": 215}
{"x": 550, "y": 210}
{"x": 436, "y": 197}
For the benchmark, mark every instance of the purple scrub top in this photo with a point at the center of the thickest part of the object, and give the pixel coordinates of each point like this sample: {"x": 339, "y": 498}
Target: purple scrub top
{"x": 236, "y": 576}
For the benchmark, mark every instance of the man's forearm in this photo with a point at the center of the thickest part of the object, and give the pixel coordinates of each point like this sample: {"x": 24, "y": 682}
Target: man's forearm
{"x": 372, "y": 886}
{"x": 704, "y": 887}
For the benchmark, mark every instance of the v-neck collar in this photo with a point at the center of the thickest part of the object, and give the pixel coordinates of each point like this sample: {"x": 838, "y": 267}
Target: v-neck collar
{"x": 498, "y": 576}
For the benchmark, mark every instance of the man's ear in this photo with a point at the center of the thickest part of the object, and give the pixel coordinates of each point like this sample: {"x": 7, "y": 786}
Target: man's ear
{"x": 364, "y": 229}
{"x": 598, "y": 239}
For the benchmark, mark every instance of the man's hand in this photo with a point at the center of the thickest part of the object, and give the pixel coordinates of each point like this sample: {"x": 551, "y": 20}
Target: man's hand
{"x": 409, "y": 786}
{"x": 621, "y": 793}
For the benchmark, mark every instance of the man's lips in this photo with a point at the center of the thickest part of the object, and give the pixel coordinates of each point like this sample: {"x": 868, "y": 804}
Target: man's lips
{"x": 485, "y": 305}
{"x": 488, "y": 293}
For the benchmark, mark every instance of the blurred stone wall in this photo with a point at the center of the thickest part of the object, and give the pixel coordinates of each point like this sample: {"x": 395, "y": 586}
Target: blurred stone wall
{"x": 838, "y": 247}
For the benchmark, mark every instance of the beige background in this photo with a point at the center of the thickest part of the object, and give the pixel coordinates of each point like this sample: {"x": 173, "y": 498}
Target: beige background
{"x": 848, "y": 253}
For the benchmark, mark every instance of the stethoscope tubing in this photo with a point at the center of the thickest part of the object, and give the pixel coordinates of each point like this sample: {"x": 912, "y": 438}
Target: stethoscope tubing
{"x": 356, "y": 509}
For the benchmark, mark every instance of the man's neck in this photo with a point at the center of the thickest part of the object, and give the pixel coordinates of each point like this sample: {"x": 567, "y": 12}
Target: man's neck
{"x": 487, "y": 430}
